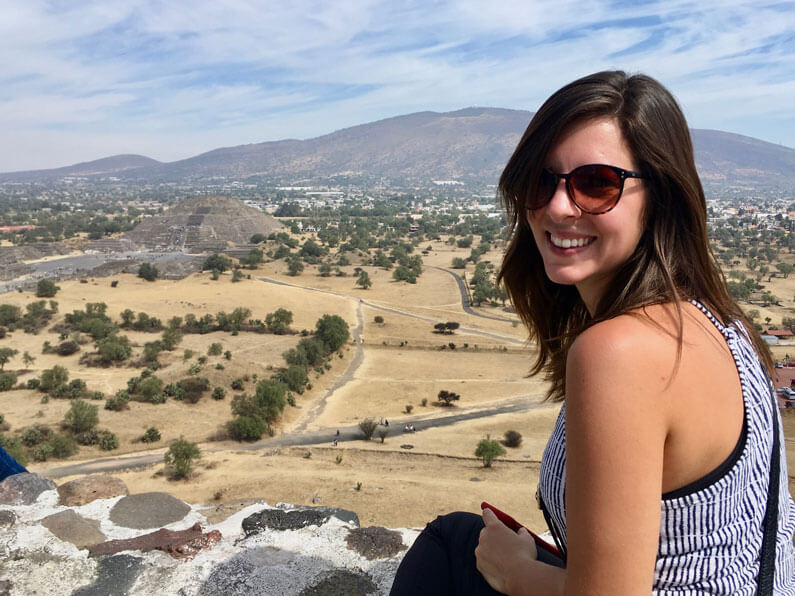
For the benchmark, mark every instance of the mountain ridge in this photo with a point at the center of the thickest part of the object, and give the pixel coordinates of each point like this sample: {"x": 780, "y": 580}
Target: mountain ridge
{"x": 471, "y": 145}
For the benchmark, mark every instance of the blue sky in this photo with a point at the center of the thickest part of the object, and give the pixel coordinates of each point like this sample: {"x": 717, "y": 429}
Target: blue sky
{"x": 84, "y": 79}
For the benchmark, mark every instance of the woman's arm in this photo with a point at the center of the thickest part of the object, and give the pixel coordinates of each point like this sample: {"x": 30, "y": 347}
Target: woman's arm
{"x": 616, "y": 426}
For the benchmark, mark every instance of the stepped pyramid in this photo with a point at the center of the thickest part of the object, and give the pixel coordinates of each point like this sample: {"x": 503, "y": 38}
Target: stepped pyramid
{"x": 203, "y": 224}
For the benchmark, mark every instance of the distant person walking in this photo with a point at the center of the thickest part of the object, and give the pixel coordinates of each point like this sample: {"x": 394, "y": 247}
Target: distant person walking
{"x": 666, "y": 471}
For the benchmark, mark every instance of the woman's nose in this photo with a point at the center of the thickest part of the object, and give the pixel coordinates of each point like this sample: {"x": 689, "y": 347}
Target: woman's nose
{"x": 561, "y": 206}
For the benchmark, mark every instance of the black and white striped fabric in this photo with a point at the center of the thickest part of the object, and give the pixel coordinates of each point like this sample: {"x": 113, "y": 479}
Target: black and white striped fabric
{"x": 711, "y": 531}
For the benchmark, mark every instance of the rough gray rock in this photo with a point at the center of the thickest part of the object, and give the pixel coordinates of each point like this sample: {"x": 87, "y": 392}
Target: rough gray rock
{"x": 375, "y": 542}
{"x": 342, "y": 582}
{"x": 89, "y": 488}
{"x": 7, "y": 518}
{"x": 263, "y": 570}
{"x": 115, "y": 575}
{"x": 23, "y": 489}
{"x": 295, "y": 519}
{"x": 148, "y": 510}
{"x": 76, "y": 529}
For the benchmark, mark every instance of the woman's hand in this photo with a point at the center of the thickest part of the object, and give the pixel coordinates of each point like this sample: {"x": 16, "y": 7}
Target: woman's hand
{"x": 502, "y": 554}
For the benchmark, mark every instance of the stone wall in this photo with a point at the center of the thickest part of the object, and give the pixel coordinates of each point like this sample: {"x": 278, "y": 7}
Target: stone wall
{"x": 89, "y": 537}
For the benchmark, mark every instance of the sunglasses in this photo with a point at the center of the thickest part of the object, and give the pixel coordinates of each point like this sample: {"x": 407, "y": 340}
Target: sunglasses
{"x": 594, "y": 188}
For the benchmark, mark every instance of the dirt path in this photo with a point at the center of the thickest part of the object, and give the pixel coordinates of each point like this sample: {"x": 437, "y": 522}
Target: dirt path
{"x": 322, "y": 436}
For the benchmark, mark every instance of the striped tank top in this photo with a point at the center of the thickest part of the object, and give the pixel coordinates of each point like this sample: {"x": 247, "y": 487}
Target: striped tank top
{"x": 711, "y": 530}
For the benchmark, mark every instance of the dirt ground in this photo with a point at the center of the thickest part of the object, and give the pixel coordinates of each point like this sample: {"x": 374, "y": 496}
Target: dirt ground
{"x": 404, "y": 362}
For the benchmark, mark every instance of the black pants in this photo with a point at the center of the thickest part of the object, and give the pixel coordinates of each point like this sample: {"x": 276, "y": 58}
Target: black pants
{"x": 441, "y": 562}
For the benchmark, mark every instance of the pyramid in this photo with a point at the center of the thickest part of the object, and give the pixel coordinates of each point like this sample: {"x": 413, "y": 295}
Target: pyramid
{"x": 203, "y": 224}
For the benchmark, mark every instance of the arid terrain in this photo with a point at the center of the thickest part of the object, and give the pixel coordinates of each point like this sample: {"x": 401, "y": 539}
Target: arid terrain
{"x": 385, "y": 367}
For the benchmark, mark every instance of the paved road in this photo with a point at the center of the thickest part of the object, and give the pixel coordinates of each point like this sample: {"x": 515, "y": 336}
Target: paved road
{"x": 465, "y": 298}
{"x": 318, "y": 437}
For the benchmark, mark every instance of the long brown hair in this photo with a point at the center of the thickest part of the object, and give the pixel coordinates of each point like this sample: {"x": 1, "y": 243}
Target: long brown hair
{"x": 673, "y": 260}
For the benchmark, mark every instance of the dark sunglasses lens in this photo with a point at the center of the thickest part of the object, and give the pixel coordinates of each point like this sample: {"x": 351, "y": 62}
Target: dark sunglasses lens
{"x": 596, "y": 188}
{"x": 547, "y": 183}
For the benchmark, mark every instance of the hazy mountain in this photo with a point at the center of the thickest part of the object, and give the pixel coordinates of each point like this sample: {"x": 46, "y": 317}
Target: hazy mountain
{"x": 471, "y": 145}
{"x": 107, "y": 166}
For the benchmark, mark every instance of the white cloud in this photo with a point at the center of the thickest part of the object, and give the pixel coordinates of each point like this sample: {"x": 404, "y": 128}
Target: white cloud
{"x": 169, "y": 79}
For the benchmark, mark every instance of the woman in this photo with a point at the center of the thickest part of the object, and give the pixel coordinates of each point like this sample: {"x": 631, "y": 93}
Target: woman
{"x": 656, "y": 476}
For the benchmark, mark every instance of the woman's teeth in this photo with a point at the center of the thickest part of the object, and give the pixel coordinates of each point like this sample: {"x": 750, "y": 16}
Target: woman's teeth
{"x": 570, "y": 242}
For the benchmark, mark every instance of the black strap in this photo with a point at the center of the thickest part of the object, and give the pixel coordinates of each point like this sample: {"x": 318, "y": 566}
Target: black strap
{"x": 767, "y": 557}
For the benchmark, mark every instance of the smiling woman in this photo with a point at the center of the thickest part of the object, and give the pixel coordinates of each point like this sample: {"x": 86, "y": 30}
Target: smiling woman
{"x": 610, "y": 269}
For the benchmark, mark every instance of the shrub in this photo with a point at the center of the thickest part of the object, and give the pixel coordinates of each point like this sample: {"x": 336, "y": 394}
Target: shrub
{"x": 488, "y": 450}
{"x": 115, "y": 348}
{"x": 33, "y": 383}
{"x": 193, "y": 388}
{"x": 512, "y": 438}
{"x": 7, "y": 381}
{"x": 215, "y": 349}
{"x": 378, "y": 319}
{"x": 247, "y": 428}
{"x": 46, "y": 289}
{"x": 228, "y": 355}
{"x": 368, "y": 426}
{"x": 41, "y": 452}
{"x": 152, "y": 435}
{"x": 279, "y": 321}
{"x": 81, "y": 416}
{"x": 409, "y": 408}
{"x": 149, "y": 389}
{"x": 219, "y": 393}
{"x": 61, "y": 446}
{"x": 52, "y": 378}
{"x": 119, "y": 402}
{"x": 67, "y": 348}
{"x": 382, "y": 433}
{"x": 237, "y": 384}
{"x": 88, "y": 437}
{"x": 295, "y": 377}
{"x": 108, "y": 441}
{"x": 148, "y": 272}
{"x": 31, "y": 437}
{"x": 179, "y": 458}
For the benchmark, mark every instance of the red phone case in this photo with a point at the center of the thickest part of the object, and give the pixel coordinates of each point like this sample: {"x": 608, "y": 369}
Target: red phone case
{"x": 515, "y": 525}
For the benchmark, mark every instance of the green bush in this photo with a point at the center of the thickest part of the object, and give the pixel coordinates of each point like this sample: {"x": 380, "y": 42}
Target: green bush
{"x": 81, "y": 416}
{"x": 247, "y": 428}
{"x": 46, "y": 289}
{"x": 193, "y": 388}
{"x": 219, "y": 393}
{"x": 237, "y": 384}
{"x": 33, "y": 383}
{"x": 114, "y": 348}
{"x": 32, "y": 436}
{"x": 108, "y": 441}
{"x": 88, "y": 437}
{"x": 61, "y": 445}
{"x": 52, "y": 378}
{"x": 215, "y": 349}
{"x": 488, "y": 450}
{"x": 148, "y": 272}
{"x": 67, "y": 348}
{"x": 152, "y": 435}
{"x": 179, "y": 458}
{"x": 41, "y": 452}
{"x": 7, "y": 381}
{"x": 332, "y": 330}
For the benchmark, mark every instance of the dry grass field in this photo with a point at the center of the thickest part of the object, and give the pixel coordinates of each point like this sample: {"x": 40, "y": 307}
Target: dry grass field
{"x": 402, "y": 363}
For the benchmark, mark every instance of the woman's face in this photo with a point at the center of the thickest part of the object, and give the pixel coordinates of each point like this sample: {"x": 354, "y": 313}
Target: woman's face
{"x": 578, "y": 248}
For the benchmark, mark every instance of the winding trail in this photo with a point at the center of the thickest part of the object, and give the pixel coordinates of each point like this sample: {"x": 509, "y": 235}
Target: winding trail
{"x": 317, "y": 437}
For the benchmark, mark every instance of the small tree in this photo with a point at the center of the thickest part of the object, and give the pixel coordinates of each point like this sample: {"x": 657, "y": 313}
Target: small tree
{"x": 447, "y": 397}
{"x": 82, "y": 416}
{"x": 279, "y": 321}
{"x": 46, "y": 289}
{"x": 180, "y": 456}
{"x": 215, "y": 349}
{"x": 378, "y": 320}
{"x": 368, "y": 426}
{"x": 382, "y": 433}
{"x": 151, "y": 435}
{"x": 148, "y": 272}
{"x": 488, "y": 450}
{"x": 53, "y": 377}
{"x": 363, "y": 281}
{"x": 237, "y": 275}
{"x": 5, "y": 355}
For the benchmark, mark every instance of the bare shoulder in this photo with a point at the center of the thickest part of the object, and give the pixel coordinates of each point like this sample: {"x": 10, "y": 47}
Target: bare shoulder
{"x": 636, "y": 349}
